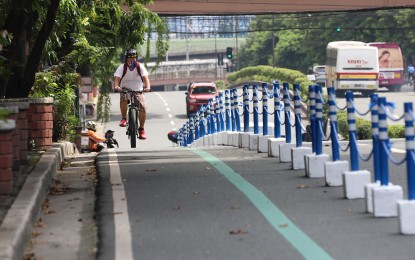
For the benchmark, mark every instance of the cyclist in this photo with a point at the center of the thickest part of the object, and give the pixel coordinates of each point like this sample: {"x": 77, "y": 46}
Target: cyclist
{"x": 94, "y": 139}
{"x": 411, "y": 73}
{"x": 134, "y": 76}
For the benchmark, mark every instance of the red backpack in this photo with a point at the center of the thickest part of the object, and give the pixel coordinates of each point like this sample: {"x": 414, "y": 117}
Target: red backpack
{"x": 138, "y": 71}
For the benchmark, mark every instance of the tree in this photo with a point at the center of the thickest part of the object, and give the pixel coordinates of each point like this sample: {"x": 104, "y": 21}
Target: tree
{"x": 79, "y": 35}
{"x": 303, "y": 37}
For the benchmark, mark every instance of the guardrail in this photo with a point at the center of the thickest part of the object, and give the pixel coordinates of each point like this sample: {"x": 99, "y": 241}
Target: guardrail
{"x": 221, "y": 125}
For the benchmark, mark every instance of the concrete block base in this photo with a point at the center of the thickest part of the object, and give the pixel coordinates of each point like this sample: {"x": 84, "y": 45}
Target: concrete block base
{"x": 315, "y": 164}
{"x": 274, "y": 146}
{"x": 354, "y": 183}
{"x": 215, "y": 139}
{"x": 253, "y": 142}
{"x": 368, "y": 195}
{"x": 225, "y": 138}
{"x": 229, "y": 140}
{"x": 297, "y": 155}
{"x": 263, "y": 143}
{"x": 285, "y": 152}
{"x": 245, "y": 139}
{"x": 334, "y": 172}
{"x": 406, "y": 211}
{"x": 385, "y": 200}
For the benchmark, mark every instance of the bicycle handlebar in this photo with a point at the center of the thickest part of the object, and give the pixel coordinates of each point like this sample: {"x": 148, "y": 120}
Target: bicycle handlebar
{"x": 128, "y": 90}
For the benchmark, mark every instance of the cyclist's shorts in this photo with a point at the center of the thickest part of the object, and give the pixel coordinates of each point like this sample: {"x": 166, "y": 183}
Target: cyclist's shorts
{"x": 139, "y": 98}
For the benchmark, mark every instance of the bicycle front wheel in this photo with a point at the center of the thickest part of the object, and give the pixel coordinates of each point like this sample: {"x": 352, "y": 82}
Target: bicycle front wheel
{"x": 132, "y": 125}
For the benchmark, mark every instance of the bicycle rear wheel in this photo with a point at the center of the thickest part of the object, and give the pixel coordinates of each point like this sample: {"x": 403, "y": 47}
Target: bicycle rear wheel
{"x": 132, "y": 127}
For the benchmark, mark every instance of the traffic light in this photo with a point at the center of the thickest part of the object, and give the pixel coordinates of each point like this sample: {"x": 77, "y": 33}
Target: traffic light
{"x": 338, "y": 29}
{"x": 229, "y": 52}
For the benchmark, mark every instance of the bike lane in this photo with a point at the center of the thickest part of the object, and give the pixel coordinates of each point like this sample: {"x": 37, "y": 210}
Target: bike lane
{"x": 187, "y": 204}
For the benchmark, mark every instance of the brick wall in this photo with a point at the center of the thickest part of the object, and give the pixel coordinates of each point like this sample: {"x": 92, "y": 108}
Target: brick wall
{"x": 40, "y": 122}
{"x": 6, "y": 156}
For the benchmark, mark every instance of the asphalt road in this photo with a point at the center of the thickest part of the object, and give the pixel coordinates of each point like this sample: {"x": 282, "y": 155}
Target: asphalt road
{"x": 160, "y": 201}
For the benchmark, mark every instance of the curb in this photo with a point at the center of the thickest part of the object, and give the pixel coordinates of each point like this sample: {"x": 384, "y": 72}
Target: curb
{"x": 16, "y": 228}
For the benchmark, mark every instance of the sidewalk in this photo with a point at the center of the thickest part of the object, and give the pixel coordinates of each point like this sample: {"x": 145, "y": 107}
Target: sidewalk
{"x": 52, "y": 216}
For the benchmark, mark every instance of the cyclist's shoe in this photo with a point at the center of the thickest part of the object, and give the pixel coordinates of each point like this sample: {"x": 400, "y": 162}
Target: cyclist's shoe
{"x": 123, "y": 122}
{"x": 142, "y": 134}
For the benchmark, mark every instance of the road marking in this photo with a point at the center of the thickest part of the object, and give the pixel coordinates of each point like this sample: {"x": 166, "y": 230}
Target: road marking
{"x": 123, "y": 240}
{"x": 170, "y": 116}
{"x": 167, "y": 109}
{"x": 307, "y": 247}
{"x": 172, "y": 122}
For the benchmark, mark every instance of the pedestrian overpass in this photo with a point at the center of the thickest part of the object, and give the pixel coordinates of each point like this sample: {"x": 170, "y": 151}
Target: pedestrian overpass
{"x": 176, "y": 75}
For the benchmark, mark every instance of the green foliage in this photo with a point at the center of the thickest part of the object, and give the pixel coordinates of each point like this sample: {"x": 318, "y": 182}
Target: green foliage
{"x": 62, "y": 88}
{"x": 396, "y": 131}
{"x": 270, "y": 74}
{"x": 220, "y": 84}
{"x": 364, "y": 127}
{"x": 302, "y": 38}
{"x": 4, "y": 113}
{"x": 87, "y": 37}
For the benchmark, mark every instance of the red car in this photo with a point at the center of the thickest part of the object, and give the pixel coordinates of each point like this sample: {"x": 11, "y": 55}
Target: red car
{"x": 199, "y": 94}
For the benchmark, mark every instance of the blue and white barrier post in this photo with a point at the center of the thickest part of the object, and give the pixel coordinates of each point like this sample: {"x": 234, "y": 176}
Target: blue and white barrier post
{"x": 253, "y": 138}
{"x": 264, "y": 108}
{"x": 410, "y": 149}
{"x": 334, "y": 170}
{"x": 255, "y": 107}
{"x": 386, "y": 196}
{"x": 354, "y": 180}
{"x": 312, "y": 107}
{"x": 217, "y": 114}
{"x": 227, "y": 110}
{"x": 383, "y": 142}
{"x": 287, "y": 114}
{"x": 245, "y": 135}
{"x": 299, "y": 151}
{"x": 407, "y": 207}
{"x": 208, "y": 117}
{"x": 312, "y": 100}
{"x": 246, "y": 108}
{"x": 197, "y": 126}
{"x": 297, "y": 112}
{"x": 236, "y": 105}
{"x": 317, "y": 160}
{"x": 285, "y": 148}
{"x": 202, "y": 123}
{"x": 375, "y": 135}
{"x": 222, "y": 112}
{"x": 263, "y": 139}
{"x": 274, "y": 143}
{"x": 335, "y": 149}
{"x": 277, "y": 110}
{"x": 232, "y": 105}
{"x": 319, "y": 121}
{"x": 374, "y": 109}
{"x": 192, "y": 130}
{"x": 185, "y": 135}
{"x": 351, "y": 121}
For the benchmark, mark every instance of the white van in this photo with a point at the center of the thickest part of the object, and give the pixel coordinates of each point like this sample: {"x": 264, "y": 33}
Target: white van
{"x": 352, "y": 66}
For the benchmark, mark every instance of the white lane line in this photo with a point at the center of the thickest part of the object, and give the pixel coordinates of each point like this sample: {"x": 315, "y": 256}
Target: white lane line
{"x": 167, "y": 108}
{"x": 123, "y": 240}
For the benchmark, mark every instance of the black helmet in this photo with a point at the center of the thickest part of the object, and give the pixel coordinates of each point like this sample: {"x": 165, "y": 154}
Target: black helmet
{"x": 131, "y": 53}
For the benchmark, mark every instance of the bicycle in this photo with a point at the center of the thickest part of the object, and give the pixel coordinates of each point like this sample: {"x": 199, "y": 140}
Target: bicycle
{"x": 132, "y": 117}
